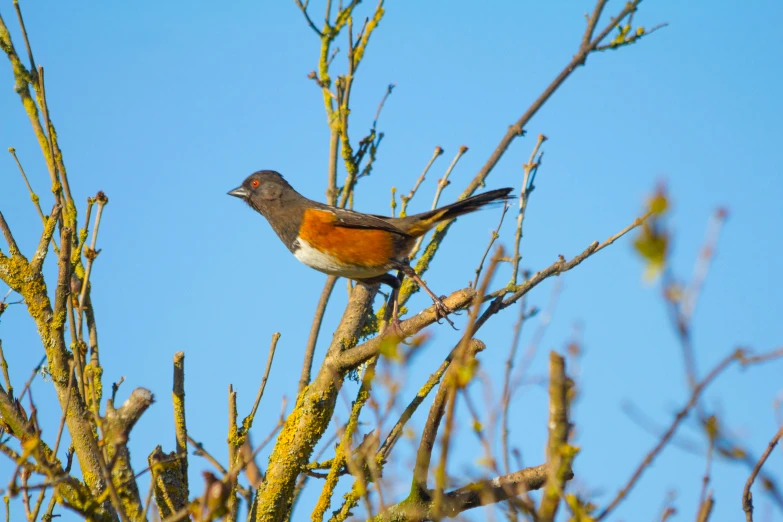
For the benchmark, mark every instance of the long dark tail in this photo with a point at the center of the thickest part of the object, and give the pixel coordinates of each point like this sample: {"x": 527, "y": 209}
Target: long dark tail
{"x": 421, "y": 223}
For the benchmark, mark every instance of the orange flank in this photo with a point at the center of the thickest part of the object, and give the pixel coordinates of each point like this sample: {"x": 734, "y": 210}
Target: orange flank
{"x": 351, "y": 246}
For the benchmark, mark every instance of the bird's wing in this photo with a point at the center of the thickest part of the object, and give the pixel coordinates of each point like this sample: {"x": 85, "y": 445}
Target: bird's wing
{"x": 350, "y": 219}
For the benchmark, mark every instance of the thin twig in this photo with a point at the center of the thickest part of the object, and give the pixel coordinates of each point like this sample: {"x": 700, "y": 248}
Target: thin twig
{"x": 702, "y": 266}
{"x": 102, "y": 200}
{"x": 592, "y": 22}
{"x": 442, "y": 184}
{"x": 201, "y": 452}
{"x": 248, "y": 422}
{"x": 711, "y": 426}
{"x": 148, "y": 500}
{"x": 38, "y": 504}
{"x": 464, "y": 358}
{"x": 303, "y": 8}
{"x": 494, "y": 236}
{"x": 630, "y": 39}
{"x": 33, "y": 196}
{"x": 35, "y": 372}
{"x": 538, "y": 336}
{"x": 587, "y": 46}
{"x": 62, "y": 179}
{"x": 478, "y": 429}
{"x": 13, "y": 250}
{"x": 755, "y": 359}
{"x": 530, "y": 169}
{"x": 406, "y": 199}
{"x": 4, "y": 366}
{"x": 500, "y": 299}
{"x": 506, "y": 397}
{"x": 666, "y": 437}
{"x": 747, "y": 498}
{"x": 396, "y": 431}
{"x": 24, "y": 35}
{"x": 315, "y": 329}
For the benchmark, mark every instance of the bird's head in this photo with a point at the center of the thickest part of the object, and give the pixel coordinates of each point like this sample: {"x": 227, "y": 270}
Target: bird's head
{"x": 262, "y": 188}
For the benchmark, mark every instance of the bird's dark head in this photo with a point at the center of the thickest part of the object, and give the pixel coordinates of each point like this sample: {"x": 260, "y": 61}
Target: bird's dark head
{"x": 263, "y": 188}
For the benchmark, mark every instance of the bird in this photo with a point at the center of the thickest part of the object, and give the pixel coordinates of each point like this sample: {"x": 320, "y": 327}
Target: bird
{"x": 350, "y": 244}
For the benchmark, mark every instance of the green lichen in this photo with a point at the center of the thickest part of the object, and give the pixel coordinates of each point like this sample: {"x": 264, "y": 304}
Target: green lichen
{"x": 302, "y": 430}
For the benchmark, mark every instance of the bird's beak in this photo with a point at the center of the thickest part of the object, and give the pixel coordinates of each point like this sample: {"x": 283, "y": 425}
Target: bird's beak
{"x": 239, "y": 192}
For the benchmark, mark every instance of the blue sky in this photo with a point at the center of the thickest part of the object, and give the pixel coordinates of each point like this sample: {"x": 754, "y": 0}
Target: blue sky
{"x": 165, "y": 109}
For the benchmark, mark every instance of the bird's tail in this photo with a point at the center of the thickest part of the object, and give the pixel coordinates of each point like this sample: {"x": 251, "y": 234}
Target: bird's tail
{"x": 421, "y": 223}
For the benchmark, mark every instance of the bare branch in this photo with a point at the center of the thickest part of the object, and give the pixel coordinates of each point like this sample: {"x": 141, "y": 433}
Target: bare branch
{"x": 352, "y": 358}
{"x": 559, "y": 453}
{"x": 438, "y": 408}
{"x": 248, "y": 422}
{"x": 442, "y": 184}
{"x": 24, "y": 35}
{"x": 406, "y": 199}
{"x": 13, "y": 250}
{"x": 764, "y": 357}
{"x": 302, "y": 431}
{"x": 315, "y": 329}
{"x": 4, "y": 365}
{"x": 592, "y": 22}
{"x": 666, "y": 437}
{"x": 473, "y": 495}
{"x": 396, "y": 431}
{"x": 460, "y": 299}
{"x": 33, "y": 196}
{"x": 180, "y": 426}
{"x": 711, "y": 428}
{"x": 495, "y": 235}
{"x": 303, "y": 8}
{"x": 102, "y": 200}
{"x": 345, "y": 450}
{"x": 202, "y": 452}
{"x": 517, "y": 129}
{"x": 65, "y": 413}
{"x": 43, "y": 245}
{"x": 747, "y": 498}
{"x": 705, "y": 509}
{"x": 531, "y": 169}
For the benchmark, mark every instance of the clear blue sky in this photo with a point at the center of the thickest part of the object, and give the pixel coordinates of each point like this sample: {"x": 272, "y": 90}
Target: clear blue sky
{"x": 165, "y": 109}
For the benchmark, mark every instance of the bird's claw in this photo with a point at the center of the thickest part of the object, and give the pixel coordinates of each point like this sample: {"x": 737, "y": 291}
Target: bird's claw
{"x": 442, "y": 312}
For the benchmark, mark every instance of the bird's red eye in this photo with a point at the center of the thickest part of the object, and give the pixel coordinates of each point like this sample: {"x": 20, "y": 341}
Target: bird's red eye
{"x": 254, "y": 183}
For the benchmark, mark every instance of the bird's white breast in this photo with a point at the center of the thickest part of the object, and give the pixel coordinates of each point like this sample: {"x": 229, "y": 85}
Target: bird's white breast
{"x": 327, "y": 264}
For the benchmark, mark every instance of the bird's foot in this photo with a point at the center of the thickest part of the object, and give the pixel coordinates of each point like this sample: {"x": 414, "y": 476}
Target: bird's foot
{"x": 442, "y": 311}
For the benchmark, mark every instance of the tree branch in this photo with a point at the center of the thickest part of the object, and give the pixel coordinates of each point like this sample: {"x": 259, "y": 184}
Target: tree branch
{"x": 747, "y": 498}
{"x": 180, "y": 426}
{"x": 315, "y": 329}
{"x": 310, "y": 418}
{"x": 666, "y": 437}
{"x": 430, "y": 432}
{"x": 481, "y": 493}
{"x": 559, "y": 453}
{"x": 352, "y": 358}
{"x": 43, "y": 245}
{"x": 13, "y": 250}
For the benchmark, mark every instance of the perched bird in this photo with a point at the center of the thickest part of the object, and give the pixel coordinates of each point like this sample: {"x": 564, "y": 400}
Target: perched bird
{"x": 340, "y": 242}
